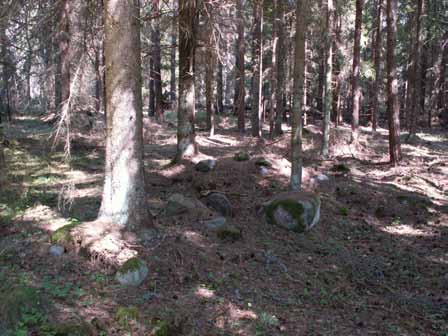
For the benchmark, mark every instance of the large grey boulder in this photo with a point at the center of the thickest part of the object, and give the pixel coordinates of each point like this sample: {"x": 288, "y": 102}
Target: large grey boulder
{"x": 294, "y": 211}
{"x": 178, "y": 204}
{"x": 220, "y": 203}
{"x": 132, "y": 273}
{"x": 206, "y": 166}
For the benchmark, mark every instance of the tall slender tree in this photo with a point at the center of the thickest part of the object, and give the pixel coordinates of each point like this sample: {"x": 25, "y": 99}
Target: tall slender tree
{"x": 377, "y": 63}
{"x": 356, "y": 87}
{"x": 393, "y": 106}
{"x": 186, "y": 134}
{"x": 257, "y": 68}
{"x": 297, "y": 109}
{"x": 281, "y": 66}
{"x": 328, "y": 90}
{"x": 156, "y": 70}
{"x": 240, "y": 68}
{"x": 124, "y": 197}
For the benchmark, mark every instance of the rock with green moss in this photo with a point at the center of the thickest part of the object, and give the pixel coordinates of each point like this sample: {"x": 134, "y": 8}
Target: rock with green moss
{"x": 69, "y": 329}
{"x": 124, "y": 315}
{"x": 229, "y": 233}
{"x": 63, "y": 235}
{"x": 241, "y": 156}
{"x": 341, "y": 168}
{"x": 179, "y": 204}
{"x": 17, "y": 301}
{"x": 162, "y": 328}
{"x": 262, "y": 162}
{"x": 132, "y": 273}
{"x": 294, "y": 211}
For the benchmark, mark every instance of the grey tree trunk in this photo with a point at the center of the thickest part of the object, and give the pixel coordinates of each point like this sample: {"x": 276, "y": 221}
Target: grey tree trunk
{"x": 281, "y": 67}
{"x": 328, "y": 90}
{"x": 220, "y": 89}
{"x": 64, "y": 52}
{"x": 393, "y": 106}
{"x": 156, "y": 74}
{"x": 240, "y": 69}
{"x": 273, "y": 84}
{"x": 173, "y": 59}
{"x": 356, "y": 87}
{"x": 186, "y": 135}
{"x": 124, "y": 197}
{"x": 377, "y": 64}
{"x": 297, "y": 108}
{"x": 257, "y": 68}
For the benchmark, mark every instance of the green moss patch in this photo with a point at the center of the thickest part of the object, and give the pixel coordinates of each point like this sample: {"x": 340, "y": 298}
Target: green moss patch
{"x": 124, "y": 315}
{"x": 229, "y": 233}
{"x": 63, "y": 235}
{"x": 294, "y": 209}
{"x": 21, "y": 304}
{"x": 162, "y": 328}
{"x": 131, "y": 265}
{"x": 341, "y": 168}
{"x": 241, "y": 156}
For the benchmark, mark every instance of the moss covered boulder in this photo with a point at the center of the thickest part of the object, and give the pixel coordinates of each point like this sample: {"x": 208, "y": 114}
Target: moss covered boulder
{"x": 294, "y": 211}
{"x": 63, "y": 235}
{"x": 132, "y": 273}
{"x": 241, "y": 156}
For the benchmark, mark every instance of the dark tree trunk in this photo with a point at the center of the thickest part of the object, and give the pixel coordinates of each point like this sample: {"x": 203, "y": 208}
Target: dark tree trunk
{"x": 377, "y": 64}
{"x": 281, "y": 67}
{"x": 124, "y": 198}
{"x": 220, "y": 89}
{"x": 173, "y": 59}
{"x": 64, "y": 53}
{"x": 356, "y": 87}
{"x": 328, "y": 90}
{"x": 414, "y": 79}
{"x": 186, "y": 135}
{"x": 257, "y": 68}
{"x": 240, "y": 70}
{"x": 297, "y": 109}
{"x": 393, "y": 106}
{"x": 156, "y": 62}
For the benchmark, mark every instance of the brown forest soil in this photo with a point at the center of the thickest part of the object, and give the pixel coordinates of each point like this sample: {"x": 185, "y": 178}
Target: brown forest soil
{"x": 376, "y": 264}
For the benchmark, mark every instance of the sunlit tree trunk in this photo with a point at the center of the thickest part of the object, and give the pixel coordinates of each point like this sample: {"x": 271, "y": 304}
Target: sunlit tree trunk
{"x": 356, "y": 87}
{"x": 240, "y": 69}
{"x": 393, "y": 106}
{"x": 328, "y": 90}
{"x": 186, "y": 143}
{"x": 124, "y": 198}
{"x": 337, "y": 75}
{"x": 257, "y": 68}
{"x": 297, "y": 108}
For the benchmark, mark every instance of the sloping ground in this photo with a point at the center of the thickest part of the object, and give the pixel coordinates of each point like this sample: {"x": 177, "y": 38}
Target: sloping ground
{"x": 376, "y": 264}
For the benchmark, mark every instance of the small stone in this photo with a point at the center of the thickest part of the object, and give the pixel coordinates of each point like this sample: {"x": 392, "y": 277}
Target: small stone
{"x": 264, "y": 171}
{"x": 132, "y": 273}
{"x": 242, "y": 156}
{"x": 220, "y": 203}
{"x": 206, "y": 166}
{"x": 56, "y": 250}
{"x": 215, "y": 223}
{"x": 262, "y": 162}
{"x": 322, "y": 178}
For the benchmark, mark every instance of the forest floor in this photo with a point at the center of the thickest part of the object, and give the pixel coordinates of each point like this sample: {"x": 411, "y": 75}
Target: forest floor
{"x": 376, "y": 264}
